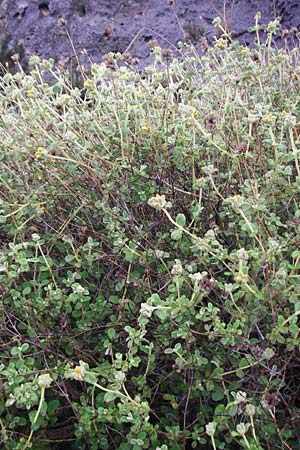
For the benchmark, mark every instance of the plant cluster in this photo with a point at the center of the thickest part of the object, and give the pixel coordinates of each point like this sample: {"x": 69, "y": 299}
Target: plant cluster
{"x": 149, "y": 260}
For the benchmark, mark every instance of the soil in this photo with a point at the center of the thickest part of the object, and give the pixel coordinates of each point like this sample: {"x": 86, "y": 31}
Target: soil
{"x": 96, "y": 27}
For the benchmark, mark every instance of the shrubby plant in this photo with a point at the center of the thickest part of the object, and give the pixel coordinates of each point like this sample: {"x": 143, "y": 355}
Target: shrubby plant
{"x": 149, "y": 257}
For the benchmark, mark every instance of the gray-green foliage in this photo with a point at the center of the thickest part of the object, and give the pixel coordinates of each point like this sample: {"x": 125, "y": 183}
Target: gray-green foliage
{"x": 149, "y": 257}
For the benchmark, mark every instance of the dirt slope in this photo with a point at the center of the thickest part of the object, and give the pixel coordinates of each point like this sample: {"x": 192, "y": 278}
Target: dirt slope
{"x": 100, "y": 26}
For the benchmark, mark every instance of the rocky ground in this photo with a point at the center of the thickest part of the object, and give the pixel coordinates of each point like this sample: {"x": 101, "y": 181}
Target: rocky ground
{"x": 99, "y": 26}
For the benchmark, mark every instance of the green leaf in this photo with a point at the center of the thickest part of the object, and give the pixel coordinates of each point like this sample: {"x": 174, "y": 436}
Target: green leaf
{"x": 217, "y": 372}
{"x": 29, "y": 361}
{"x": 22, "y": 421}
{"x": 161, "y": 314}
{"x": 9, "y": 402}
{"x": 76, "y": 313}
{"x": 135, "y": 361}
{"x": 25, "y": 347}
{"x": 155, "y": 299}
{"x": 240, "y": 373}
{"x": 26, "y": 290}
{"x": 243, "y": 363}
{"x": 70, "y": 258}
{"x": 176, "y": 235}
{"x": 178, "y": 347}
{"x": 52, "y": 406}
{"x": 111, "y": 333}
{"x": 168, "y": 351}
{"x": 294, "y": 329}
{"x": 109, "y": 397}
{"x": 43, "y": 410}
{"x": 90, "y": 378}
{"x": 181, "y": 220}
{"x": 35, "y": 426}
{"x": 15, "y": 351}
{"x": 218, "y": 395}
{"x": 232, "y": 410}
{"x": 56, "y": 88}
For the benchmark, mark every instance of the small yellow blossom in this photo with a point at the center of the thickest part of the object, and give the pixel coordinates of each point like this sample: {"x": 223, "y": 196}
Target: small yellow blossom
{"x": 88, "y": 84}
{"x": 31, "y": 91}
{"x": 241, "y": 277}
{"x": 40, "y": 208}
{"x": 269, "y": 118}
{"x": 237, "y": 200}
{"x": 139, "y": 95}
{"x": 39, "y": 152}
{"x": 245, "y": 51}
{"x": 79, "y": 372}
{"x": 158, "y": 202}
{"x": 221, "y": 43}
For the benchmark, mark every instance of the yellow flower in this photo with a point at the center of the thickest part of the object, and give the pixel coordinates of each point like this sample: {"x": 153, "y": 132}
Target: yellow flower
{"x": 269, "y": 118}
{"x": 245, "y": 51}
{"x": 31, "y": 91}
{"x": 237, "y": 200}
{"x": 221, "y": 43}
{"x": 241, "y": 277}
{"x": 39, "y": 152}
{"x": 158, "y": 202}
{"x": 79, "y": 372}
{"x": 40, "y": 209}
{"x": 88, "y": 84}
{"x": 139, "y": 95}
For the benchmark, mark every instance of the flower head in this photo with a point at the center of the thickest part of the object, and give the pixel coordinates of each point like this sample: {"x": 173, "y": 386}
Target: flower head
{"x": 240, "y": 397}
{"x": 39, "y": 153}
{"x": 177, "y": 269}
{"x": 221, "y": 43}
{"x": 242, "y": 254}
{"x": 209, "y": 170}
{"x": 31, "y": 91}
{"x": 237, "y": 200}
{"x": 40, "y": 208}
{"x": 273, "y": 245}
{"x": 289, "y": 119}
{"x": 158, "y": 202}
{"x": 78, "y": 372}
{"x": 268, "y": 118}
{"x": 147, "y": 310}
{"x": 250, "y": 409}
{"x": 241, "y": 277}
{"x": 210, "y": 428}
{"x": 79, "y": 289}
{"x": 35, "y": 237}
{"x": 241, "y": 429}
{"x": 44, "y": 380}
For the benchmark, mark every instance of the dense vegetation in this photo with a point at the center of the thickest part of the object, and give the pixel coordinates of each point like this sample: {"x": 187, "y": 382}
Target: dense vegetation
{"x": 149, "y": 263}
